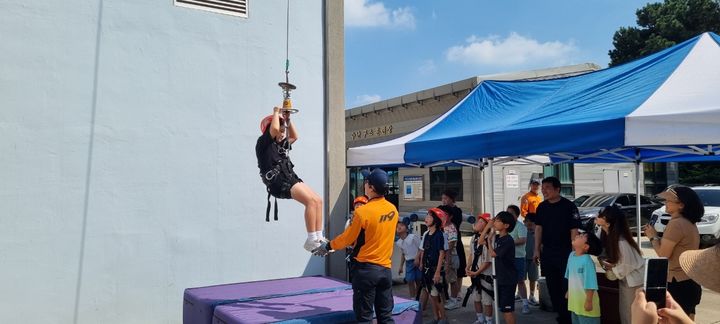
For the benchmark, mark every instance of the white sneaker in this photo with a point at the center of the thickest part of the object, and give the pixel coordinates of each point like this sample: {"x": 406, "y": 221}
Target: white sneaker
{"x": 526, "y": 309}
{"x": 452, "y": 304}
{"x": 532, "y": 301}
{"x": 311, "y": 245}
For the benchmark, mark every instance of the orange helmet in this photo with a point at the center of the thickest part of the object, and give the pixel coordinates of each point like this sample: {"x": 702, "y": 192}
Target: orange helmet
{"x": 440, "y": 214}
{"x": 484, "y": 216}
{"x": 265, "y": 122}
{"x": 360, "y": 200}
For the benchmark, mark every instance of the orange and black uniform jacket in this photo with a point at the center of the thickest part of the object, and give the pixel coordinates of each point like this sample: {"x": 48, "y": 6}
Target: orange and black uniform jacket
{"x": 529, "y": 203}
{"x": 373, "y": 227}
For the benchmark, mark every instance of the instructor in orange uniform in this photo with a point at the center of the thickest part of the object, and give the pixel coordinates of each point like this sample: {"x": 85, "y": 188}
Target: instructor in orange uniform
{"x": 373, "y": 227}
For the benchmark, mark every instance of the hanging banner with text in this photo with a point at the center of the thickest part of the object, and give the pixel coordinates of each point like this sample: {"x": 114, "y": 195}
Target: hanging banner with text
{"x": 413, "y": 187}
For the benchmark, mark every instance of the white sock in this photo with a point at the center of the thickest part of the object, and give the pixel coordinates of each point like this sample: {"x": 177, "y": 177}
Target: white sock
{"x": 525, "y": 301}
{"x": 319, "y": 235}
{"x": 312, "y": 236}
{"x": 481, "y": 317}
{"x": 489, "y": 319}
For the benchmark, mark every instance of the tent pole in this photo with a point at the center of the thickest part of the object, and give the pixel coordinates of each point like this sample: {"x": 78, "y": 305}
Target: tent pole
{"x": 637, "y": 198}
{"x": 492, "y": 187}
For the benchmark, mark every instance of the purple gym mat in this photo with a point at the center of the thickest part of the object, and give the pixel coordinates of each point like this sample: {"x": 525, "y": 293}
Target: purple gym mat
{"x": 325, "y": 307}
{"x": 199, "y": 303}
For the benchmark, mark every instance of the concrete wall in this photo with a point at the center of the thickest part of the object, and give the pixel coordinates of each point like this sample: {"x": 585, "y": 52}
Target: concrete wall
{"x": 127, "y": 166}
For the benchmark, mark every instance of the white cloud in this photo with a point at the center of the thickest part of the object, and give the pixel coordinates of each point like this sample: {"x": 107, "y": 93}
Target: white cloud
{"x": 515, "y": 50}
{"x": 366, "y": 99}
{"x": 427, "y": 67}
{"x": 363, "y": 13}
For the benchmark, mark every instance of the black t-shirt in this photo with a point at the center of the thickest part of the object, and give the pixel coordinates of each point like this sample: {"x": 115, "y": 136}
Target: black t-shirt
{"x": 557, "y": 220}
{"x": 432, "y": 245}
{"x": 269, "y": 151}
{"x": 505, "y": 260}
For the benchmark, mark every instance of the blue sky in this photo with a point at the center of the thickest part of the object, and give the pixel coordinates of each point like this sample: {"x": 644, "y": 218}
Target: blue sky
{"x": 397, "y": 47}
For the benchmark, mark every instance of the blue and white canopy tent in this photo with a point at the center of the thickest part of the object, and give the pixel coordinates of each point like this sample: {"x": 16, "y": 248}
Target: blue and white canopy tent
{"x": 661, "y": 108}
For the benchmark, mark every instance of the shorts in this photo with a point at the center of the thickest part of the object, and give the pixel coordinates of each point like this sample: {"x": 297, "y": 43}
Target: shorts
{"x": 506, "y": 298}
{"x": 531, "y": 269}
{"x": 482, "y": 296}
{"x": 579, "y": 319}
{"x": 281, "y": 185}
{"x": 687, "y": 293}
{"x": 412, "y": 273}
{"x": 520, "y": 267}
{"x": 451, "y": 272}
{"x": 433, "y": 289}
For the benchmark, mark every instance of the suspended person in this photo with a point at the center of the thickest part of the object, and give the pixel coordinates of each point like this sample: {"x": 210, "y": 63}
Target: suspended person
{"x": 448, "y": 199}
{"x": 276, "y": 170}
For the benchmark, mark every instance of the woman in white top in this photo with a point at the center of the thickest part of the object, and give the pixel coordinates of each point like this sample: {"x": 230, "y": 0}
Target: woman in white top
{"x": 622, "y": 259}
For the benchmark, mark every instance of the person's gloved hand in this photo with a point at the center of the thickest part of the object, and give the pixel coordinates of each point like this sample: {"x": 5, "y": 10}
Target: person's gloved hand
{"x": 323, "y": 250}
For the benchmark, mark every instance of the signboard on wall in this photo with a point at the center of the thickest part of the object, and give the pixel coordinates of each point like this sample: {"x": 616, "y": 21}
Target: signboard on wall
{"x": 413, "y": 187}
{"x": 512, "y": 181}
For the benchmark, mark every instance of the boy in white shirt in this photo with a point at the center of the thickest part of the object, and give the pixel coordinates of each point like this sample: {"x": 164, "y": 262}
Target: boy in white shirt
{"x": 409, "y": 244}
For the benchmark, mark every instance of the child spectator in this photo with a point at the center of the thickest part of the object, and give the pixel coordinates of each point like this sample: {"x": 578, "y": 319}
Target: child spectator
{"x": 479, "y": 269}
{"x": 519, "y": 235}
{"x": 452, "y": 260}
{"x": 433, "y": 247}
{"x": 409, "y": 244}
{"x": 583, "y": 301}
{"x": 505, "y": 273}
{"x": 531, "y": 268}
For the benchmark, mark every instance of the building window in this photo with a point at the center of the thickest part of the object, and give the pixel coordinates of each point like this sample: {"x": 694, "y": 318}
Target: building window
{"x": 357, "y": 187}
{"x": 444, "y": 178}
{"x": 228, "y": 7}
{"x": 566, "y": 173}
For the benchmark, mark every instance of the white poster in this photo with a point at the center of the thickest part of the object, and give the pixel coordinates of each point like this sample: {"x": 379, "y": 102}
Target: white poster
{"x": 413, "y": 187}
{"x": 512, "y": 181}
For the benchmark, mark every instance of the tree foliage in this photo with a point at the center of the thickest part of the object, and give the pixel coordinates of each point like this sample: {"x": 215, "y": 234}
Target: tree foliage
{"x": 664, "y": 24}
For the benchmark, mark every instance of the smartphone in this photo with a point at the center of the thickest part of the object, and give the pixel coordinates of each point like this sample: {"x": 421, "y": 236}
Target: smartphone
{"x": 656, "y": 280}
{"x": 653, "y": 220}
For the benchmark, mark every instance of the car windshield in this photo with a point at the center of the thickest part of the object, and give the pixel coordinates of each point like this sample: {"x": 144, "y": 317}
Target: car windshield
{"x": 579, "y": 200}
{"x": 709, "y": 197}
{"x": 598, "y": 201}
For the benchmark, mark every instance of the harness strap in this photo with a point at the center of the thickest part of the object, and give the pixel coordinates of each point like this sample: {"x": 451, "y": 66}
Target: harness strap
{"x": 267, "y": 210}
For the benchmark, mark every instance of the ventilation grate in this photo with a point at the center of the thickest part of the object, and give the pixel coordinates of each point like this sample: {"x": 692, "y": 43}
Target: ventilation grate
{"x": 228, "y": 7}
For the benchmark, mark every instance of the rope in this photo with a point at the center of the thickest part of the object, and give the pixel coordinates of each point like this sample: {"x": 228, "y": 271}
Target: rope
{"x": 287, "y": 43}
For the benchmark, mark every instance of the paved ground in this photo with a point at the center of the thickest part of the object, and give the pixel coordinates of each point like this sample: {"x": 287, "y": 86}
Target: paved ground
{"x": 708, "y": 310}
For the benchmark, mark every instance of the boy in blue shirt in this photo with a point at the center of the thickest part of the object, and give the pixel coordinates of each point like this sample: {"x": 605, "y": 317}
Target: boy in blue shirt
{"x": 583, "y": 301}
{"x": 506, "y": 274}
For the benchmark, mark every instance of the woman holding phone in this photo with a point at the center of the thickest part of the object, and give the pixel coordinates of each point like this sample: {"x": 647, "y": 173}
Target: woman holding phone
{"x": 681, "y": 234}
{"x": 622, "y": 259}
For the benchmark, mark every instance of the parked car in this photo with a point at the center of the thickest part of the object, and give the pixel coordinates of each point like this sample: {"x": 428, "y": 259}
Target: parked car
{"x": 708, "y": 226}
{"x": 590, "y": 206}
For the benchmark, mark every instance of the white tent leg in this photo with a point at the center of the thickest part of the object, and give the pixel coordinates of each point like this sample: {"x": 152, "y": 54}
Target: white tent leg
{"x": 496, "y": 310}
{"x": 492, "y": 188}
{"x": 637, "y": 199}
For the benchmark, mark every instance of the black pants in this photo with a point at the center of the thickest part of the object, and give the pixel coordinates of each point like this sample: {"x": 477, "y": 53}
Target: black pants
{"x": 553, "y": 268}
{"x": 372, "y": 286}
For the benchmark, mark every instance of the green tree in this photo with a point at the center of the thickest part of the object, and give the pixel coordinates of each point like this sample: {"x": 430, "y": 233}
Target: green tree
{"x": 661, "y": 25}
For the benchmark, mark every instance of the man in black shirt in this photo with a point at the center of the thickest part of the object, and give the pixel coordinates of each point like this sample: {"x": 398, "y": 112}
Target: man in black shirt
{"x": 557, "y": 223}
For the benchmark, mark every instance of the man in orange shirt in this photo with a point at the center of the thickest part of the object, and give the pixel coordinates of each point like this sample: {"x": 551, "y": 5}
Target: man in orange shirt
{"x": 373, "y": 230}
{"x": 530, "y": 201}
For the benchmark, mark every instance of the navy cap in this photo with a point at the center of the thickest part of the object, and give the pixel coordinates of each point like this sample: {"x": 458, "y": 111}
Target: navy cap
{"x": 378, "y": 178}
